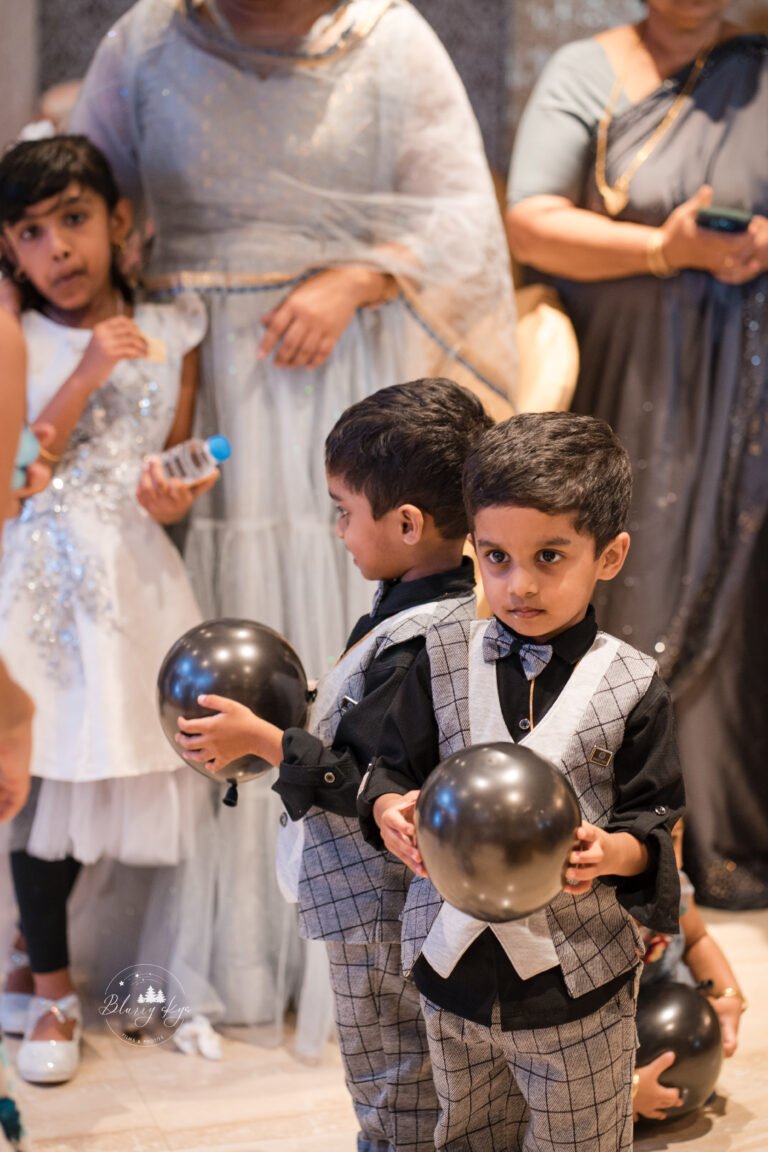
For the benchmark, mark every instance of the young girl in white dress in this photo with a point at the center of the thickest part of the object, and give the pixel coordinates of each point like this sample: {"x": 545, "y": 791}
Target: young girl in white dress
{"x": 92, "y": 592}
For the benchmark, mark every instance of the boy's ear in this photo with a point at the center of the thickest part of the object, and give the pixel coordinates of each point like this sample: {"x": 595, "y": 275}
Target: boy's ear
{"x": 121, "y": 221}
{"x": 613, "y": 556}
{"x": 411, "y": 523}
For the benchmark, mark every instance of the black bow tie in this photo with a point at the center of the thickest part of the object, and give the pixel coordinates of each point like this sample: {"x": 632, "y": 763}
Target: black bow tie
{"x": 533, "y": 657}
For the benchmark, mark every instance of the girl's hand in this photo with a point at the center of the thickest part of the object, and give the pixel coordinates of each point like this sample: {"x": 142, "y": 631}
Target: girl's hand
{"x": 233, "y": 732}
{"x": 395, "y": 818}
{"x": 168, "y": 501}
{"x": 307, "y": 324}
{"x": 653, "y": 1098}
{"x": 728, "y": 1010}
{"x": 733, "y": 259}
{"x": 587, "y": 859}
{"x": 118, "y": 338}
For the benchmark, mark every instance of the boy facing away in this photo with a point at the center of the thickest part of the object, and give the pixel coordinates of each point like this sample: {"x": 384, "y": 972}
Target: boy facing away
{"x": 531, "y": 1024}
{"x": 394, "y": 463}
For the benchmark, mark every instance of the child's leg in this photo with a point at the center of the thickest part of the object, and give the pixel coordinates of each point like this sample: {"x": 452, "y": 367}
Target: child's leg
{"x": 384, "y": 1048}
{"x": 42, "y": 890}
{"x": 577, "y": 1079}
{"x": 481, "y": 1107}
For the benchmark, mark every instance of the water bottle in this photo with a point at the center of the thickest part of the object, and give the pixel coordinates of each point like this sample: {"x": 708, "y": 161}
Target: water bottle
{"x": 195, "y": 459}
{"x": 27, "y": 453}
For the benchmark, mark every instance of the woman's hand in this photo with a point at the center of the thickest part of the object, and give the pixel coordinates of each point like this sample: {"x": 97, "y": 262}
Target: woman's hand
{"x": 758, "y": 230}
{"x": 116, "y": 339}
{"x": 734, "y": 258}
{"x": 306, "y": 326}
{"x": 168, "y": 501}
{"x": 652, "y": 1098}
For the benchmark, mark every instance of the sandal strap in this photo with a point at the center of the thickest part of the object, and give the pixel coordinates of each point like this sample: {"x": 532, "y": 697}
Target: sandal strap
{"x": 66, "y": 1009}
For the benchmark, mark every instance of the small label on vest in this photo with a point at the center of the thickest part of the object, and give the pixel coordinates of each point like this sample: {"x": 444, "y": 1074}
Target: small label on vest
{"x": 600, "y": 756}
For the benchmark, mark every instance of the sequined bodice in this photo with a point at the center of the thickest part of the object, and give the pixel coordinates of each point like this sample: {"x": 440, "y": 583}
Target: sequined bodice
{"x": 54, "y": 553}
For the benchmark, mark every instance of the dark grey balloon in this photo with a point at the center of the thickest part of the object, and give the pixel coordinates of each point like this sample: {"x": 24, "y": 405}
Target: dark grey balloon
{"x": 674, "y": 1017}
{"x": 243, "y": 661}
{"x": 495, "y": 825}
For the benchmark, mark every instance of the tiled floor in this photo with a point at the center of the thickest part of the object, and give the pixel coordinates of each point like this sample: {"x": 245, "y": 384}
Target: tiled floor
{"x": 261, "y": 1099}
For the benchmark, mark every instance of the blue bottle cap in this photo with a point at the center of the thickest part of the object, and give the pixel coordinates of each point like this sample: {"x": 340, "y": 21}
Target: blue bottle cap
{"x": 219, "y": 447}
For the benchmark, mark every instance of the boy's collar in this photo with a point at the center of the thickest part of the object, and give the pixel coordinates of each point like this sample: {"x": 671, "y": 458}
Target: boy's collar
{"x": 394, "y": 595}
{"x": 569, "y": 645}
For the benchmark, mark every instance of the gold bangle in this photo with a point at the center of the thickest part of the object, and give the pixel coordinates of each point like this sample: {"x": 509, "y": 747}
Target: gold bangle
{"x": 731, "y": 994}
{"x": 51, "y": 457}
{"x": 635, "y": 1084}
{"x": 658, "y": 264}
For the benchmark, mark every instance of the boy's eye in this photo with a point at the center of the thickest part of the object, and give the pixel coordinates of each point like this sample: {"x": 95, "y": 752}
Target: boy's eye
{"x": 341, "y": 513}
{"x": 496, "y": 556}
{"x": 549, "y": 556}
{"x": 29, "y": 232}
{"x": 73, "y": 218}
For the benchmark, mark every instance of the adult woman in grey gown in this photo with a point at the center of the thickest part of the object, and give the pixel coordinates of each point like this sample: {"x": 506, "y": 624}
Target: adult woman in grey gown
{"x": 626, "y": 136}
{"x": 315, "y": 171}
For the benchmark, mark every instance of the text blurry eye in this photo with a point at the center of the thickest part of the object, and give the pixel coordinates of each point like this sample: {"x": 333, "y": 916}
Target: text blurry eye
{"x": 497, "y": 556}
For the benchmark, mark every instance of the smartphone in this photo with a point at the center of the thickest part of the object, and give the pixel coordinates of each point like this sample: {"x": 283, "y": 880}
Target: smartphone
{"x": 723, "y": 219}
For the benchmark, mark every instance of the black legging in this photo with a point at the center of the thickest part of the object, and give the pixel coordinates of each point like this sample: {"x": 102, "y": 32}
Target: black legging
{"x": 43, "y": 888}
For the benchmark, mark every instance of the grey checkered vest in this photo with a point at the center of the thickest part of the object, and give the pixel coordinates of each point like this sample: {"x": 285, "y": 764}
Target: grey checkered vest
{"x": 347, "y": 889}
{"x": 594, "y": 938}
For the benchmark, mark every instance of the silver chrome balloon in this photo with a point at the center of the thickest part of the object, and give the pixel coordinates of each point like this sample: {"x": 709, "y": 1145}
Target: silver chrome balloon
{"x": 243, "y": 661}
{"x": 495, "y": 825}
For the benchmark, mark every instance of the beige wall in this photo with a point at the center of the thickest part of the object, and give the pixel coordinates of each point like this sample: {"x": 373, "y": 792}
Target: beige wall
{"x": 18, "y": 65}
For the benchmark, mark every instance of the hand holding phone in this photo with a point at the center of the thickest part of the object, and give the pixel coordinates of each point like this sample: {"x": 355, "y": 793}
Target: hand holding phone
{"x": 726, "y": 220}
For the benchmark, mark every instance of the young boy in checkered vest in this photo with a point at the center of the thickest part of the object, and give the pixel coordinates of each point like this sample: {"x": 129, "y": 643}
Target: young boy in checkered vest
{"x": 394, "y": 464}
{"x": 531, "y": 1023}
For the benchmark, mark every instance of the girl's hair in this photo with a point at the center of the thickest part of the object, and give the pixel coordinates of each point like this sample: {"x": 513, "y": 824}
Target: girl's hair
{"x": 36, "y": 170}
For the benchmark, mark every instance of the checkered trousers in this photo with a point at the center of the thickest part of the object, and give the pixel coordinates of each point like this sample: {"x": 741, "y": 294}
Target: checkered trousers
{"x": 384, "y": 1048}
{"x": 562, "y": 1089}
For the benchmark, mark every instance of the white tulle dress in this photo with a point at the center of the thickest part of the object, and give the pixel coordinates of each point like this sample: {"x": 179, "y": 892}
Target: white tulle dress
{"x": 92, "y": 595}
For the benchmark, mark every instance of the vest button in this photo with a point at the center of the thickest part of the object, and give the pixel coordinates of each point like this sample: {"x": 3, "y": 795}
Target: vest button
{"x": 524, "y": 724}
{"x": 283, "y": 819}
{"x": 329, "y": 777}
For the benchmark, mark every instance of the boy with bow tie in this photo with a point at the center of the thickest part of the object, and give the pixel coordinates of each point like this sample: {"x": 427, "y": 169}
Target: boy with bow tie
{"x": 531, "y": 1025}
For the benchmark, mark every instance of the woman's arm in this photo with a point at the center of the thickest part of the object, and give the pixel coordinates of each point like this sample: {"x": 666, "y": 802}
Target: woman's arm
{"x": 15, "y": 706}
{"x": 14, "y": 360}
{"x": 551, "y": 234}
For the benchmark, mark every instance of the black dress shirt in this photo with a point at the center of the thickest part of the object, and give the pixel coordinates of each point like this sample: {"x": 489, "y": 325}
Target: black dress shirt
{"x": 648, "y": 800}
{"x": 312, "y": 774}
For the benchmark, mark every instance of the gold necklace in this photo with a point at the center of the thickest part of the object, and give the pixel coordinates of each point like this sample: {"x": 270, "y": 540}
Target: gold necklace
{"x": 616, "y": 198}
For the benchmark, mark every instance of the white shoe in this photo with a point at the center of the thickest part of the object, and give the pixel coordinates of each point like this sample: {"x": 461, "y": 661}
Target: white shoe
{"x": 51, "y": 1061}
{"x": 14, "y": 1006}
